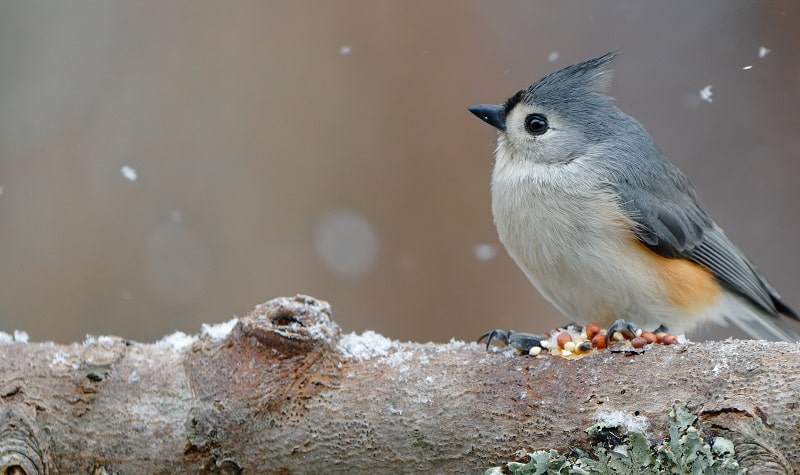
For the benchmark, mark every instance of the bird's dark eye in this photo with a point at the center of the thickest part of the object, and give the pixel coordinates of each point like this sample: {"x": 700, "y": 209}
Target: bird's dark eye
{"x": 536, "y": 124}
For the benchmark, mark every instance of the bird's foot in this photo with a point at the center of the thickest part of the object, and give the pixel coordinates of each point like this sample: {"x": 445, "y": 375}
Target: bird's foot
{"x": 522, "y": 342}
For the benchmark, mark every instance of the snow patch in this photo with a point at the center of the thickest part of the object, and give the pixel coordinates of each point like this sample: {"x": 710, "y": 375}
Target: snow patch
{"x": 452, "y": 345}
{"x": 399, "y": 359}
{"x": 177, "y": 341}
{"x": 20, "y": 336}
{"x": 100, "y": 340}
{"x": 364, "y": 346}
{"x": 218, "y": 331}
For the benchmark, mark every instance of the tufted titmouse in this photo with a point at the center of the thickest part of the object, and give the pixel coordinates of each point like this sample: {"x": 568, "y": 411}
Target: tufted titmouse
{"x": 603, "y": 225}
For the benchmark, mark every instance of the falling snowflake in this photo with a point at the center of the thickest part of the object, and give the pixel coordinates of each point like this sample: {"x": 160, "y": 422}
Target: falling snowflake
{"x": 705, "y": 93}
{"x": 129, "y": 173}
{"x": 345, "y": 50}
{"x": 553, "y": 56}
{"x": 762, "y": 51}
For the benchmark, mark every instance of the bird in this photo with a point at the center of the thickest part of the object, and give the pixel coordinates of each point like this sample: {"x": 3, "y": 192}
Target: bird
{"x": 604, "y": 226}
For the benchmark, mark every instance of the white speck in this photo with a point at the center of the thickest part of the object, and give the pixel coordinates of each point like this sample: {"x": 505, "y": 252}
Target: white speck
{"x": 484, "y": 252}
{"x": 345, "y": 50}
{"x": 5, "y": 338}
{"x": 553, "y": 56}
{"x": 129, "y": 173}
{"x": 347, "y": 243}
{"x": 762, "y": 51}
{"x": 623, "y": 419}
{"x": 705, "y": 93}
{"x": 747, "y": 67}
{"x": 133, "y": 378}
{"x": 365, "y": 346}
{"x": 176, "y": 341}
{"x": 176, "y": 216}
{"x": 220, "y": 330}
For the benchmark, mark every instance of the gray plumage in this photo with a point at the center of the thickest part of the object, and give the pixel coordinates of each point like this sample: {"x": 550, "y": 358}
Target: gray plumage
{"x": 649, "y": 190}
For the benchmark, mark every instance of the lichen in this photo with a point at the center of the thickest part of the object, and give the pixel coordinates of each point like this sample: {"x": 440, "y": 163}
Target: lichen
{"x": 619, "y": 451}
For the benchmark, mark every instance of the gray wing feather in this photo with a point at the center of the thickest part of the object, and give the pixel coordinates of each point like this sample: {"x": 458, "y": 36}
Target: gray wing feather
{"x": 682, "y": 229}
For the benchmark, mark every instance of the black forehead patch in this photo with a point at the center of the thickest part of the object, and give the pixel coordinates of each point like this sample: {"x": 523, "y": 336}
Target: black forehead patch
{"x": 512, "y": 101}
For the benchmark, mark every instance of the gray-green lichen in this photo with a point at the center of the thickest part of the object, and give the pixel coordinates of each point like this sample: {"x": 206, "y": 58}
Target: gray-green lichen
{"x": 616, "y": 450}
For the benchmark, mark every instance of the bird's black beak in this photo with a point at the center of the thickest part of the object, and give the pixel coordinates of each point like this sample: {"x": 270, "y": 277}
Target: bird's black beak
{"x": 491, "y": 114}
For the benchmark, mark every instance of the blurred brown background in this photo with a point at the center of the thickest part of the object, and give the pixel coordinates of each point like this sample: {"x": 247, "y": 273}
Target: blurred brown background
{"x": 325, "y": 148}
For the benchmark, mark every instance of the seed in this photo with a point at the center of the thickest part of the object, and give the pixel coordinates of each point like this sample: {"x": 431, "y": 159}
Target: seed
{"x": 638, "y": 342}
{"x": 599, "y": 341}
{"x": 649, "y": 336}
{"x": 563, "y": 338}
{"x": 669, "y": 339}
{"x": 569, "y": 346}
{"x": 592, "y": 329}
{"x": 535, "y": 350}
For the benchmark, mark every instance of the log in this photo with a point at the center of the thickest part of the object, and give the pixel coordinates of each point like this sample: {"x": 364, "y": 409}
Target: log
{"x": 282, "y": 390}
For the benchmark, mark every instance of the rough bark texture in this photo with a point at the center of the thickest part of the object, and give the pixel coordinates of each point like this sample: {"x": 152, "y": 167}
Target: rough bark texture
{"x": 284, "y": 392}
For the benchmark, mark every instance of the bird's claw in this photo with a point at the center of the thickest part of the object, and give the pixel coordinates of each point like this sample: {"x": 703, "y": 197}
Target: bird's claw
{"x": 625, "y": 329}
{"x": 519, "y": 341}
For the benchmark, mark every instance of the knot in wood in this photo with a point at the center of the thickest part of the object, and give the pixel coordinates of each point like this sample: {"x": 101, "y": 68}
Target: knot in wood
{"x": 291, "y": 324}
{"x": 20, "y": 452}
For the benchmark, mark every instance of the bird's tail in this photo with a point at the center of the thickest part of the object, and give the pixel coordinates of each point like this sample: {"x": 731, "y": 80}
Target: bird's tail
{"x": 755, "y": 322}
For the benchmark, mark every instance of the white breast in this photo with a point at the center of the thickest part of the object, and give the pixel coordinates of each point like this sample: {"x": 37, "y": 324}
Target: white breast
{"x": 562, "y": 226}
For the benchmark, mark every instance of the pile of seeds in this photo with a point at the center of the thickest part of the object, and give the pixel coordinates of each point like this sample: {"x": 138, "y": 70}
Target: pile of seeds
{"x": 576, "y": 341}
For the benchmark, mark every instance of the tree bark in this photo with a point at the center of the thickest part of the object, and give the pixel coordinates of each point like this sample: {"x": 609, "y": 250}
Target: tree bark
{"x": 285, "y": 392}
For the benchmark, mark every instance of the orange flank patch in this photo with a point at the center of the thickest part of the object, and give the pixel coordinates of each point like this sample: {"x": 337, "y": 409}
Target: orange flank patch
{"x": 688, "y": 286}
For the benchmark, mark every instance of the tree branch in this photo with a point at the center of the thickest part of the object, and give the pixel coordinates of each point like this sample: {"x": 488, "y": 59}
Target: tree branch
{"x": 284, "y": 392}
